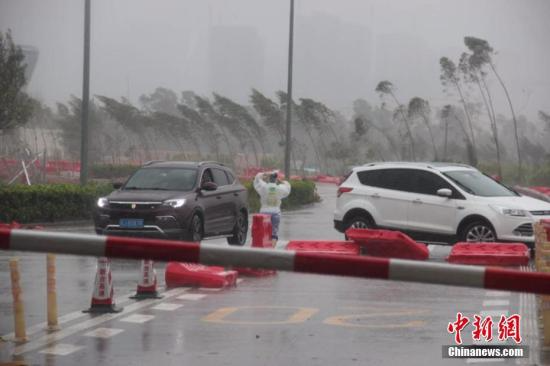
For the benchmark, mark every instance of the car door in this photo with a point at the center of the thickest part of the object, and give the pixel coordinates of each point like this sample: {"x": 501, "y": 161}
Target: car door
{"x": 428, "y": 212}
{"x": 211, "y": 202}
{"x": 390, "y": 198}
{"x": 226, "y": 205}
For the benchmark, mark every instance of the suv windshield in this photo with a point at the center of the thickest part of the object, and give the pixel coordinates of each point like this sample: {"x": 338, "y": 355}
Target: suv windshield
{"x": 164, "y": 179}
{"x": 478, "y": 184}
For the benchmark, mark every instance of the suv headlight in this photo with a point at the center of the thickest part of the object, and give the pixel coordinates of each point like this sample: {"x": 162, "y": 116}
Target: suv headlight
{"x": 509, "y": 211}
{"x": 175, "y": 203}
{"x": 102, "y": 202}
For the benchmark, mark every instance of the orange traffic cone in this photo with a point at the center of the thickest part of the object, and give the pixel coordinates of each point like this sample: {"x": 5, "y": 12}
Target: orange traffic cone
{"x": 103, "y": 296}
{"x": 147, "y": 285}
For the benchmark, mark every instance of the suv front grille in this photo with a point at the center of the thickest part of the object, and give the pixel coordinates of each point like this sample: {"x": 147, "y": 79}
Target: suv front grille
{"x": 134, "y": 205}
{"x": 524, "y": 230}
{"x": 540, "y": 213}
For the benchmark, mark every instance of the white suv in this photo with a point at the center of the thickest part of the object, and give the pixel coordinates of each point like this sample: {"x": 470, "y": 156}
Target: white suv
{"x": 436, "y": 202}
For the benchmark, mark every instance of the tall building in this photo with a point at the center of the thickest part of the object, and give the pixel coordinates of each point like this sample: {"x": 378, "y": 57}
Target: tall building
{"x": 236, "y": 61}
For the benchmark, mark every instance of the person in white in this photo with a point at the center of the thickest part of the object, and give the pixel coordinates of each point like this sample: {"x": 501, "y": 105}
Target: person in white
{"x": 271, "y": 193}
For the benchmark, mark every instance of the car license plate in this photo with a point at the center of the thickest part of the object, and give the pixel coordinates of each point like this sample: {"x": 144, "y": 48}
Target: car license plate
{"x": 131, "y": 223}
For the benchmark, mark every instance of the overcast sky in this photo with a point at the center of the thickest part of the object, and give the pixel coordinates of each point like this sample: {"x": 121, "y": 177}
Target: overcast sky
{"x": 343, "y": 47}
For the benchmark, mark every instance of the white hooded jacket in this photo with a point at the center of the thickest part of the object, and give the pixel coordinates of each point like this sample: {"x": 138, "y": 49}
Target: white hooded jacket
{"x": 271, "y": 194}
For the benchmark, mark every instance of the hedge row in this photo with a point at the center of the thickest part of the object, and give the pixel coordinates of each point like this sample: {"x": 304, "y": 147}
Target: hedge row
{"x": 57, "y": 202}
{"x": 49, "y": 202}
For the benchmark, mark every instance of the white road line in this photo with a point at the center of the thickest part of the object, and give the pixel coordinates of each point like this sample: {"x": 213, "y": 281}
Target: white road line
{"x": 497, "y": 293}
{"x": 104, "y": 332}
{"x": 239, "y": 280}
{"x": 167, "y": 307}
{"x": 210, "y": 289}
{"x": 138, "y": 318}
{"x": 495, "y": 314}
{"x": 489, "y": 303}
{"x": 431, "y": 247}
{"x": 192, "y": 297}
{"x": 63, "y": 319}
{"x": 61, "y": 349}
{"x": 51, "y": 338}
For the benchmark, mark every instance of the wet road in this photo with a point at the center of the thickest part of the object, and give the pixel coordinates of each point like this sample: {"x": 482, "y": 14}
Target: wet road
{"x": 291, "y": 319}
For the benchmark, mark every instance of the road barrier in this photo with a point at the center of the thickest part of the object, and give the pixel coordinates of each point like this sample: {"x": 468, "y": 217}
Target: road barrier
{"x": 261, "y": 238}
{"x": 493, "y": 254}
{"x": 103, "y": 296}
{"x": 330, "y": 264}
{"x": 18, "y": 307}
{"x": 147, "y": 284}
{"x": 52, "y": 294}
{"x": 542, "y": 263}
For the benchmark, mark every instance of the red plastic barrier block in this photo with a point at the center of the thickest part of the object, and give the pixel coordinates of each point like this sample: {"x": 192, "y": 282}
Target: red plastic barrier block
{"x": 261, "y": 231}
{"x": 494, "y": 254}
{"x": 325, "y": 246}
{"x": 388, "y": 244}
{"x": 196, "y": 275}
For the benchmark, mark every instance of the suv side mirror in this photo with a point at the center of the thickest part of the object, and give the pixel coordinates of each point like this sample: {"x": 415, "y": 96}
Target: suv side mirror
{"x": 209, "y": 186}
{"x": 444, "y": 192}
{"x": 117, "y": 185}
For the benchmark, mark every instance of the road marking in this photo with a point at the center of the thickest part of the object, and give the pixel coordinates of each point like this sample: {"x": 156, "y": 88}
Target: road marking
{"x": 52, "y": 338}
{"x": 343, "y": 320}
{"x": 239, "y": 280}
{"x": 489, "y": 303}
{"x": 138, "y": 318}
{"x": 208, "y": 289}
{"x": 122, "y": 300}
{"x": 192, "y": 297}
{"x": 299, "y": 316}
{"x": 431, "y": 247}
{"x": 493, "y": 313}
{"x": 167, "y": 306}
{"x": 104, "y": 332}
{"x": 497, "y": 293}
{"x": 61, "y": 349}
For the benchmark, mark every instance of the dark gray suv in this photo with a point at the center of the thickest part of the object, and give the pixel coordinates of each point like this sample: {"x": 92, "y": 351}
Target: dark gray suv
{"x": 176, "y": 200}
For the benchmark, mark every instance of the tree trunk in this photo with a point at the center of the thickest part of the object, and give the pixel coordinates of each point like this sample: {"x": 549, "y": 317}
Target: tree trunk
{"x": 516, "y": 134}
{"x": 427, "y": 122}
{"x": 493, "y": 124}
{"x": 409, "y": 132}
{"x": 470, "y": 125}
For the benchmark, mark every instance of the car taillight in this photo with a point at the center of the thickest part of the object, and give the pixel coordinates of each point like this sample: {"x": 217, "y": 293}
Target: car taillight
{"x": 342, "y": 190}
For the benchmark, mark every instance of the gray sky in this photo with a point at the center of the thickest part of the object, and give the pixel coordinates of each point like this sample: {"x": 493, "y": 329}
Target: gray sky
{"x": 343, "y": 47}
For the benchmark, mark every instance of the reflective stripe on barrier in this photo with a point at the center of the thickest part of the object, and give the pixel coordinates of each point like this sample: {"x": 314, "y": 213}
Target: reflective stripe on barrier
{"x": 331, "y": 264}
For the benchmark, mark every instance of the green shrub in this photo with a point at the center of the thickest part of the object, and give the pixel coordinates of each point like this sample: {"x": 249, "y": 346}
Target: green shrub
{"x": 110, "y": 171}
{"x": 302, "y": 192}
{"x": 49, "y": 202}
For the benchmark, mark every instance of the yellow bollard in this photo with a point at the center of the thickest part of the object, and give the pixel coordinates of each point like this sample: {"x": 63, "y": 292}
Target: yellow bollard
{"x": 52, "y": 295}
{"x": 18, "y": 308}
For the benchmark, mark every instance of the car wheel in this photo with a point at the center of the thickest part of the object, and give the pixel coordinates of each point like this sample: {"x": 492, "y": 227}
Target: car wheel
{"x": 195, "y": 229}
{"x": 240, "y": 230}
{"x": 478, "y": 231}
{"x": 360, "y": 222}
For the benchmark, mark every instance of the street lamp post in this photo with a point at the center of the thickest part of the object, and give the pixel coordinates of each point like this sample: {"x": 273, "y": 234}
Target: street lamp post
{"x": 85, "y": 97}
{"x": 289, "y": 93}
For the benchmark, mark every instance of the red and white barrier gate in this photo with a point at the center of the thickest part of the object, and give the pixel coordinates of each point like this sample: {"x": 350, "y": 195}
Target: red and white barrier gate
{"x": 331, "y": 264}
